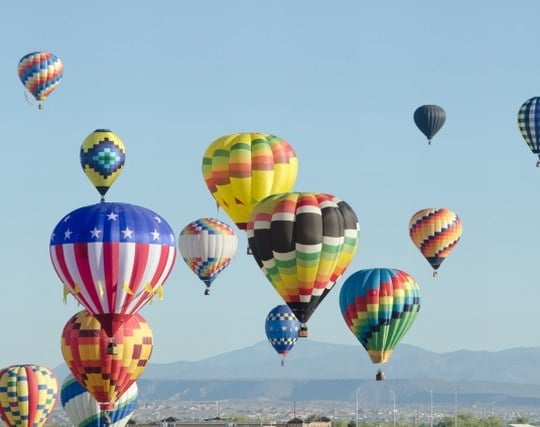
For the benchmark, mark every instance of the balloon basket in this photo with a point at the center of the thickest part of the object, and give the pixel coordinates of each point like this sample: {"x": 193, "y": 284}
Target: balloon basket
{"x": 303, "y": 333}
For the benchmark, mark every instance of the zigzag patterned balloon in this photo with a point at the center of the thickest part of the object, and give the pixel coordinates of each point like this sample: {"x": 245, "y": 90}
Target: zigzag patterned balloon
{"x": 435, "y": 232}
{"x": 40, "y": 73}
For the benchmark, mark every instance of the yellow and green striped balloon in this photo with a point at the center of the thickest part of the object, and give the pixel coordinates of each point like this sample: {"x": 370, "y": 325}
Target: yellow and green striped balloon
{"x": 243, "y": 168}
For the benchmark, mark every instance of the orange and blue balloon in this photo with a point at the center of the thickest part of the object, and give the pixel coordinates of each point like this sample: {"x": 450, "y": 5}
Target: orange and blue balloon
{"x": 40, "y": 73}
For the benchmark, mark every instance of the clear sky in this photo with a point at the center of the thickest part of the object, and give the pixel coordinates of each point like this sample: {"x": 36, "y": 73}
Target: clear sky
{"x": 340, "y": 82}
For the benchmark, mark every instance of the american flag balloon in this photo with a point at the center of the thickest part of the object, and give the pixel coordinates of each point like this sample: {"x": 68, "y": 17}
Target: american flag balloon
{"x": 113, "y": 257}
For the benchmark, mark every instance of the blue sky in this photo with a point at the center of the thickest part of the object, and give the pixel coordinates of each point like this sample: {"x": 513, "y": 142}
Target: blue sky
{"x": 340, "y": 82}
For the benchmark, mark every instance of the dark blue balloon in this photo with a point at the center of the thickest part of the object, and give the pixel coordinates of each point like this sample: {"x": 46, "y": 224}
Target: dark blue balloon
{"x": 429, "y": 119}
{"x": 529, "y": 124}
{"x": 282, "y": 328}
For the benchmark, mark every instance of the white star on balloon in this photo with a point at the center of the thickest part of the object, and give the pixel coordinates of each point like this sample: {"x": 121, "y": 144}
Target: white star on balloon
{"x": 67, "y": 234}
{"x": 155, "y": 234}
{"x": 95, "y": 232}
{"x": 127, "y": 233}
{"x": 112, "y": 216}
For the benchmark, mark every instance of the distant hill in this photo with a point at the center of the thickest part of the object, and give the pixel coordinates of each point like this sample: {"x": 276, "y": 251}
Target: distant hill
{"x": 322, "y": 371}
{"x": 316, "y": 360}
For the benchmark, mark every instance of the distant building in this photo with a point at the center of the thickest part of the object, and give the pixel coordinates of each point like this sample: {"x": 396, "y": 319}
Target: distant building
{"x": 295, "y": 422}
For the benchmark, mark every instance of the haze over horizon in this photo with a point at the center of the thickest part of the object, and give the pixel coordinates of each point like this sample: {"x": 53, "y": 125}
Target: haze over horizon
{"x": 339, "y": 82}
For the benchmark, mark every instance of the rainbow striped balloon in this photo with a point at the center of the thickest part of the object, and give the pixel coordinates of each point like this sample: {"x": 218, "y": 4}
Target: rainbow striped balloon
{"x": 379, "y": 306}
{"x": 435, "y": 232}
{"x": 40, "y": 73}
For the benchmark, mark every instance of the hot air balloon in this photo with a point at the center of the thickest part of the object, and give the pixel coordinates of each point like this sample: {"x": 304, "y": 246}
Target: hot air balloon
{"x": 429, "y": 119}
{"x": 83, "y": 410}
{"x": 282, "y": 329}
{"x": 102, "y": 158}
{"x": 207, "y": 245}
{"x": 40, "y": 73}
{"x": 529, "y": 125}
{"x": 113, "y": 258}
{"x": 435, "y": 232}
{"x": 27, "y": 395}
{"x": 303, "y": 242}
{"x": 379, "y": 306}
{"x": 243, "y": 168}
{"x": 104, "y": 374}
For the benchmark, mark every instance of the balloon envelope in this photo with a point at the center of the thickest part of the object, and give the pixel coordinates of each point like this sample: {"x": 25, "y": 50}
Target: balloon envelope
{"x": 113, "y": 257}
{"x": 303, "y": 242}
{"x": 40, "y": 73}
{"x": 106, "y": 374}
{"x": 529, "y": 124}
{"x": 435, "y": 232}
{"x": 282, "y": 328}
{"x": 207, "y": 245}
{"x": 103, "y": 155}
{"x": 83, "y": 410}
{"x": 243, "y": 168}
{"x": 429, "y": 119}
{"x": 27, "y": 395}
{"x": 379, "y": 306}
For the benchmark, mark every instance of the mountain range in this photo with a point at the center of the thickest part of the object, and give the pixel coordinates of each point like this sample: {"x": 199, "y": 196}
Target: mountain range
{"x": 322, "y": 371}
